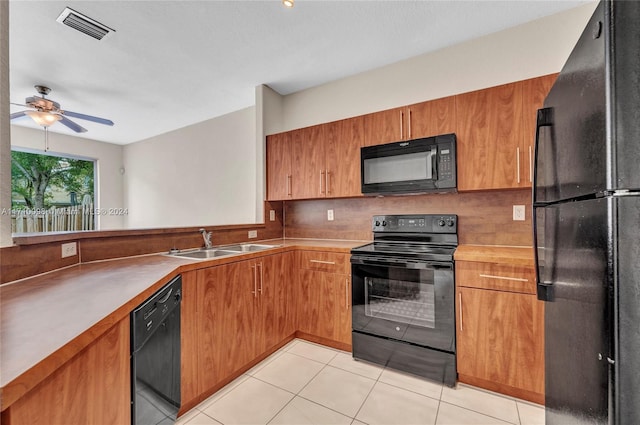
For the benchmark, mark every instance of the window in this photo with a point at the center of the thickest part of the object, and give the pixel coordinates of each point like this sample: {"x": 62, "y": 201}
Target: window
{"x": 51, "y": 193}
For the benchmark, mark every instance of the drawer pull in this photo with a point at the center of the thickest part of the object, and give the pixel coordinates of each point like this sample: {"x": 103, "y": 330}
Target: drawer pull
{"x": 322, "y": 262}
{"x": 516, "y": 279}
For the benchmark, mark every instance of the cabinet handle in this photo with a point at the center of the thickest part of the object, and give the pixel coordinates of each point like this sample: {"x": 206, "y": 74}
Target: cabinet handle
{"x": 410, "y": 136}
{"x": 255, "y": 281}
{"x": 515, "y": 279}
{"x": 518, "y": 163}
{"x": 327, "y": 184}
{"x": 322, "y": 262}
{"x": 321, "y": 179}
{"x": 460, "y": 302}
{"x": 289, "y": 185}
{"x": 401, "y": 125}
{"x": 530, "y": 166}
{"x": 261, "y": 277}
{"x": 346, "y": 293}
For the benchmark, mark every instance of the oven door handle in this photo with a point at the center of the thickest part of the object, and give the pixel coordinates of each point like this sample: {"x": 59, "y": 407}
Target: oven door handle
{"x": 399, "y": 263}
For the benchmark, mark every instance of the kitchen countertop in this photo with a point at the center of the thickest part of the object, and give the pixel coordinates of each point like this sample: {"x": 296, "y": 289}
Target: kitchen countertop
{"x": 46, "y": 320}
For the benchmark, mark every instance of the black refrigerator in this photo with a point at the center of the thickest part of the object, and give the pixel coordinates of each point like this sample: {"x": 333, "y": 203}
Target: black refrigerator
{"x": 586, "y": 220}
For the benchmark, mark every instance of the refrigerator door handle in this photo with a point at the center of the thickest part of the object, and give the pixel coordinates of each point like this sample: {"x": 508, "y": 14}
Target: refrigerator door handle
{"x": 544, "y": 289}
{"x": 543, "y": 119}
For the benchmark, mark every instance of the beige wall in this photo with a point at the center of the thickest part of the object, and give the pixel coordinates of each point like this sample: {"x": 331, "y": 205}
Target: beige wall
{"x": 203, "y": 174}
{"x": 108, "y": 156}
{"x": 530, "y": 50}
{"x": 5, "y": 134}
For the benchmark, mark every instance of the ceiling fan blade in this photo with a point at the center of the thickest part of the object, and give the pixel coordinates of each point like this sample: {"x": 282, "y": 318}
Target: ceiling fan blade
{"x": 18, "y": 114}
{"x": 73, "y": 126}
{"x": 20, "y": 104}
{"x": 88, "y": 117}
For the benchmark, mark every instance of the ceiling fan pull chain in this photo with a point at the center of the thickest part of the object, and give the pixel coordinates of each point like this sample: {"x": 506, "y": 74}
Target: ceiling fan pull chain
{"x": 46, "y": 139}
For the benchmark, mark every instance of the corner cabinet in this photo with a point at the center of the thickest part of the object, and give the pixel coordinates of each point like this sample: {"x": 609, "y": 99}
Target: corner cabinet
{"x": 500, "y": 327}
{"x": 242, "y": 311}
{"x": 321, "y": 161}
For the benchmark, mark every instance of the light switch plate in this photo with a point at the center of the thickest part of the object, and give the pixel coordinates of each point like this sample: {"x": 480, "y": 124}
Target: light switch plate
{"x": 272, "y": 215}
{"x": 69, "y": 249}
{"x": 252, "y": 234}
{"x": 518, "y": 213}
{"x": 330, "y": 215}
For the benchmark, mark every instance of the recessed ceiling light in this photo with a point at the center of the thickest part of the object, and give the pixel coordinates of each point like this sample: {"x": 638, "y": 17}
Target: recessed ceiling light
{"x": 288, "y": 3}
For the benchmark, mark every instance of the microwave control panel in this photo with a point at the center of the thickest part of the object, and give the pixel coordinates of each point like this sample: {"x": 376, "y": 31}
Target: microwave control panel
{"x": 446, "y": 162}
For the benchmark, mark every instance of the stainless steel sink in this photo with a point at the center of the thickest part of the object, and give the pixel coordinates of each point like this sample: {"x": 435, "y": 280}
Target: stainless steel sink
{"x": 206, "y": 253}
{"x": 223, "y": 251}
{"x": 247, "y": 247}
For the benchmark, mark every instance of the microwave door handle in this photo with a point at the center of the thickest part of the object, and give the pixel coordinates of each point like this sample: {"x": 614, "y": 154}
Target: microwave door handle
{"x": 434, "y": 163}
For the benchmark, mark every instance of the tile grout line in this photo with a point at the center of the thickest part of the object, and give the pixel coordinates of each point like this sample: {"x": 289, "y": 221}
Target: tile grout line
{"x": 480, "y": 413}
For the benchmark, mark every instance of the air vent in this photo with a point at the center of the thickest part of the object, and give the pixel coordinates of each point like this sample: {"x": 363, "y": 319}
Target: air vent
{"x": 84, "y": 24}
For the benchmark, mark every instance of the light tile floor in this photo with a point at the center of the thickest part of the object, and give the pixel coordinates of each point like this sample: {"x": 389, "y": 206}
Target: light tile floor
{"x": 304, "y": 383}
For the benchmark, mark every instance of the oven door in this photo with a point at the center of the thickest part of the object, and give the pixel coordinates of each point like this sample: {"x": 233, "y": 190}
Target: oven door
{"x": 407, "y": 300}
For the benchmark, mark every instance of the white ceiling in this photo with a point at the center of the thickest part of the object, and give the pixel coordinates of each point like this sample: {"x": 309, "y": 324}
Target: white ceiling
{"x": 175, "y": 63}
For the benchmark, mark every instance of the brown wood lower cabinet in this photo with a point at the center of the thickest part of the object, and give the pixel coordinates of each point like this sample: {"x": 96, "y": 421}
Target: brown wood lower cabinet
{"x": 233, "y": 314}
{"x": 500, "y": 337}
{"x": 324, "y": 297}
{"x": 92, "y": 388}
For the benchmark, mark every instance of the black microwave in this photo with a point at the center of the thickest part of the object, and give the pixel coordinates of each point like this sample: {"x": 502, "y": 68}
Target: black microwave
{"x": 413, "y": 166}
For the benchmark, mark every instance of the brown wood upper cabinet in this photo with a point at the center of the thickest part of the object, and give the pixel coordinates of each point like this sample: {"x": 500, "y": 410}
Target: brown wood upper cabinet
{"x": 495, "y": 131}
{"x": 279, "y": 167}
{"x": 423, "y": 119}
{"x": 322, "y": 161}
{"x": 534, "y": 92}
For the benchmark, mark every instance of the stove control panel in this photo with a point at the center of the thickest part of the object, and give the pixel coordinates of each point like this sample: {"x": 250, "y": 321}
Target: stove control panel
{"x": 416, "y": 223}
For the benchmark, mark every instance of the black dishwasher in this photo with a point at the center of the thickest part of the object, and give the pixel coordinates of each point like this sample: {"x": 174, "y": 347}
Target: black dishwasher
{"x": 155, "y": 357}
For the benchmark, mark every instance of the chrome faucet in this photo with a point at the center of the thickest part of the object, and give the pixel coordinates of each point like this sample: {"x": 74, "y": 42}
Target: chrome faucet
{"x": 207, "y": 238}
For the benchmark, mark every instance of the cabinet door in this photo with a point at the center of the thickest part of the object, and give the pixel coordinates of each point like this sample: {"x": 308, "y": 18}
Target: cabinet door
{"x": 227, "y": 297}
{"x": 500, "y": 338}
{"x": 307, "y": 168}
{"x": 189, "y": 322}
{"x": 534, "y": 91}
{"x": 343, "y": 142}
{"x": 432, "y": 118}
{"x": 384, "y": 127}
{"x": 91, "y": 388}
{"x": 275, "y": 321}
{"x": 489, "y": 133}
{"x": 279, "y": 167}
{"x": 342, "y": 300}
{"x": 316, "y": 314}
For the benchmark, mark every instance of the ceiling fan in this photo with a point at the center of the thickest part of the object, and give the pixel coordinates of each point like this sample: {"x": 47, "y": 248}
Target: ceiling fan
{"x": 46, "y": 112}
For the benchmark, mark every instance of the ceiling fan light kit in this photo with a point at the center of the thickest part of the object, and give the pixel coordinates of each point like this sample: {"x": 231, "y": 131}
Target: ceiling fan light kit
{"x": 46, "y": 112}
{"x": 288, "y": 3}
{"x": 44, "y": 119}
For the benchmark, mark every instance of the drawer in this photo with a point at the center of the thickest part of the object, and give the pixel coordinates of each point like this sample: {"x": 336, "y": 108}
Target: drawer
{"x": 496, "y": 276}
{"x": 331, "y": 262}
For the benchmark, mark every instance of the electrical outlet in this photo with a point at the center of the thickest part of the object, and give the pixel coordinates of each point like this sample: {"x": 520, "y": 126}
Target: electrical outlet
{"x": 272, "y": 215}
{"x": 252, "y": 234}
{"x": 330, "y": 215}
{"x": 518, "y": 213}
{"x": 69, "y": 249}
